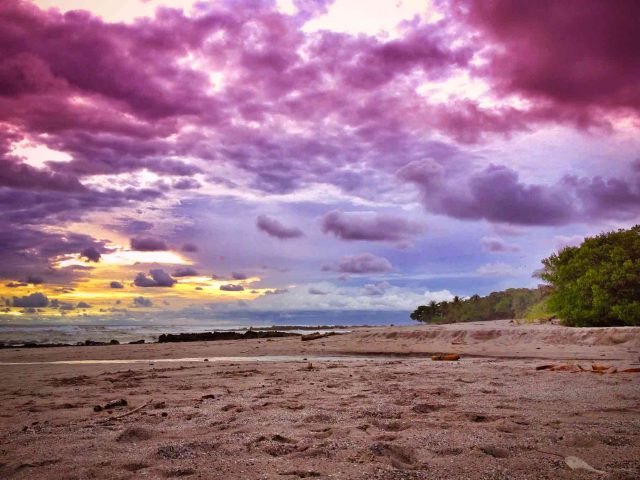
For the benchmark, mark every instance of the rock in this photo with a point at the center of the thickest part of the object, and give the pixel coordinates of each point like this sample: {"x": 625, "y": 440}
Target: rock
{"x": 136, "y": 342}
{"x": 114, "y": 342}
{"x": 212, "y": 336}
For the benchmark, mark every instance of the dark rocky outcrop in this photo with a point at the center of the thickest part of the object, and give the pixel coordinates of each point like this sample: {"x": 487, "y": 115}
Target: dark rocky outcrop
{"x": 212, "y": 336}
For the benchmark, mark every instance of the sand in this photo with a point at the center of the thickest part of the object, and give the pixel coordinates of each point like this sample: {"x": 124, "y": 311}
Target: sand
{"x": 491, "y": 415}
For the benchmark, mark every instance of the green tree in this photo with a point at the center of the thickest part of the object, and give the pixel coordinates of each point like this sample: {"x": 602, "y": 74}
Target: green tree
{"x": 597, "y": 283}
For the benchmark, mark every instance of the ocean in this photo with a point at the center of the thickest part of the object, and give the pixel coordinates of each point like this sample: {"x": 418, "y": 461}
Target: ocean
{"x": 18, "y": 334}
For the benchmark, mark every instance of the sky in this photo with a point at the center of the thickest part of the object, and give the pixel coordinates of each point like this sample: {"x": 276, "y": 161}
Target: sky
{"x": 300, "y": 161}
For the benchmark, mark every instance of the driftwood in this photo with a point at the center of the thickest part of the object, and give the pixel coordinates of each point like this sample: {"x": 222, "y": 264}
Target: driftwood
{"x": 448, "y": 357}
{"x": 118, "y": 417}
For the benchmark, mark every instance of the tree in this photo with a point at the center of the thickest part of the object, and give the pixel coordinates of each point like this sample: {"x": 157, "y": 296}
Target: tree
{"x": 597, "y": 283}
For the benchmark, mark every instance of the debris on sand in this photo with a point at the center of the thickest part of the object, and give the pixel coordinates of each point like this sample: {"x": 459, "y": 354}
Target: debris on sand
{"x": 595, "y": 368}
{"x": 110, "y": 405}
{"x": 448, "y": 357}
{"x": 301, "y": 473}
{"x": 315, "y": 336}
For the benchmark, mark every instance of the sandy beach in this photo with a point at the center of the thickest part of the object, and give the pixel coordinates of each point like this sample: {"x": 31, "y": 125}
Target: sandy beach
{"x": 290, "y": 409}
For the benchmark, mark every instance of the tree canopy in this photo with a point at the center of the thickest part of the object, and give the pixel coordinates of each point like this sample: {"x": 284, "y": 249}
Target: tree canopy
{"x": 597, "y": 283}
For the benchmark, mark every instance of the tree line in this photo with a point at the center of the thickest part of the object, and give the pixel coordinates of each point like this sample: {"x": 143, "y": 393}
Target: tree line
{"x": 594, "y": 284}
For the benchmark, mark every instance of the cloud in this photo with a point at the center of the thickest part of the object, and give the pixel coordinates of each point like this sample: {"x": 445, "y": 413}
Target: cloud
{"x": 132, "y": 226}
{"x": 230, "y": 287}
{"x": 360, "y": 264}
{"x": 83, "y": 305}
{"x": 26, "y": 251}
{"x": 142, "y": 302}
{"x": 498, "y": 269}
{"x": 16, "y": 284}
{"x": 157, "y": 278}
{"x": 185, "y": 272}
{"x": 569, "y": 61}
{"x": 148, "y": 244}
{"x": 274, "y": 228}
{"x": 238, "y": 276}
{"x": 277, "y": 291}
{"x": 497, "y": 245}
{"x": 34, "y": 280}
{"x": 189, "y": 248}
{"x": 91, "y": 253}
{"x": 369, "y": 226}
{"x": 115, "y": 284}
{"x": 496, "y": 194}
{"x": 35, "y": 300}
{"x": 376, "y": 290}
{"x": 317, "y": 291}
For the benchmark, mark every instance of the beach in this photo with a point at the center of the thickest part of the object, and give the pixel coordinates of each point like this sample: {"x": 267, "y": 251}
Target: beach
{"x": 369, "y": 404}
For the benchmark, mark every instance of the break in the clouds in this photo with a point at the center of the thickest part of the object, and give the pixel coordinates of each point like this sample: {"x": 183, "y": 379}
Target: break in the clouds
{"x": 279, "y": 142}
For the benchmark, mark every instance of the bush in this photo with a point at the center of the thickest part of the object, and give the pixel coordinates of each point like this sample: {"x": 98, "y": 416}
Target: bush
{"x": 597, "y": 283}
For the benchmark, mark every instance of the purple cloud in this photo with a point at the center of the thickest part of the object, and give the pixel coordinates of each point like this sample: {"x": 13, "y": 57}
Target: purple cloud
{"x": 185, "y": 272}
{"x": 496, "y": 194}
{"x": 189, "y": 248}
{"x": 274, "y": 228}
{"x": 230, "y": 287}
{"x": 35, "y": 300}
{"x": 148, "y": 244}
{"x": 360, "y": 264}
{"x": 142, "y": 302}
{"x": 369, "y": 226}
{"x": 91, "y": 253}
{"x": 115, "y": 284}
{"x": 157, "y": 278}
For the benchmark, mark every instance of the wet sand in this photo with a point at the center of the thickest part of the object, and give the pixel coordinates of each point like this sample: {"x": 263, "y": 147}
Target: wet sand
{"x": 490, "y": 415}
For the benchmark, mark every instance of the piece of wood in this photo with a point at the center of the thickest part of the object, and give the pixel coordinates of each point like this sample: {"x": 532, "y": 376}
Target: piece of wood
{"x": 118, "y": 417}
{"x": 447, "y": 357}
